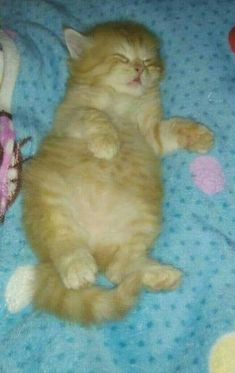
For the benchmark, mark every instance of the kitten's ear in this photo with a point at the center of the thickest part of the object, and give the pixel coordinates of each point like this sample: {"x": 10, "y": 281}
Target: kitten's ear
{"x": 75, "y": 42}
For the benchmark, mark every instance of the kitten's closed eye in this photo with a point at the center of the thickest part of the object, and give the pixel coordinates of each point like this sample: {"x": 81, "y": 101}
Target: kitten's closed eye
{"x": 149, "y": 62}
{"x": 121, "y": 57}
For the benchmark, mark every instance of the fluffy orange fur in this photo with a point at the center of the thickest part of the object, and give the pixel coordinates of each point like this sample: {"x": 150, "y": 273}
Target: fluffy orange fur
{"x": 92, "y": 194}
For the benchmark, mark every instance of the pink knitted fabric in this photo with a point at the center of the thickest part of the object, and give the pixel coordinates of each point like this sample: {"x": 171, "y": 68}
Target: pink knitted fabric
{"x": 207, "y": 174}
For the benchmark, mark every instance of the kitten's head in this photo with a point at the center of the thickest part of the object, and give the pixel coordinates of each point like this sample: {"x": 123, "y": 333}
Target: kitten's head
{"x": 122, "y": 55}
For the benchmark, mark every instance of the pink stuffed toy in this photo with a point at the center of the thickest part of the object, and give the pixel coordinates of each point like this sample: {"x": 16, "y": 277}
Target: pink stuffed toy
{"x": 10, "y": 155}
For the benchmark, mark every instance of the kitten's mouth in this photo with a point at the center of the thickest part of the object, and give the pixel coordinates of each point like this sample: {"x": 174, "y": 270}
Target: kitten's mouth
{"x": 135, "y": 82}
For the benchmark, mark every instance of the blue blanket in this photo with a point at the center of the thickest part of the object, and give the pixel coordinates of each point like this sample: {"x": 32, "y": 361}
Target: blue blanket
{"x": 165, "y": 333}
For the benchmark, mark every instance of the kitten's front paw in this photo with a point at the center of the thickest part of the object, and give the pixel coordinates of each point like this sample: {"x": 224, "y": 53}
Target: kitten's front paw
{"x": 194, "y": 136}
{"x": 162, "y": 277}
{"x": 104, "y": 146}
{"x": 77, "y": 272}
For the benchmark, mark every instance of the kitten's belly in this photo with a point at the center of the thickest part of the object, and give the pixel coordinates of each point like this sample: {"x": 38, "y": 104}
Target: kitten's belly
{"x": 114, "y": 223}
{"x": 119, "y": 199}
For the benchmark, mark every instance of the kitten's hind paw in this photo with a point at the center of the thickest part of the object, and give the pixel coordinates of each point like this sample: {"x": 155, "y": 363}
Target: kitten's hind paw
{"x": 162, "y": 277}
{"x": 77, "y": 271}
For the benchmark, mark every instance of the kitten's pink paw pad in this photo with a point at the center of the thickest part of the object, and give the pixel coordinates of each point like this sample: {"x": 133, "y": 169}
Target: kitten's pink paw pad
{"x": 207, "y": 174}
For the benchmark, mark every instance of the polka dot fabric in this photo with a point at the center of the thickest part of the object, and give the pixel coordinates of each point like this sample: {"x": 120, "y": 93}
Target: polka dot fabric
{"x": 170, "y": 332}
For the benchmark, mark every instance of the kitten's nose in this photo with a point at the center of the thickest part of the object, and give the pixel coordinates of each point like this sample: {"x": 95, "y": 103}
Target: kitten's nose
{"x": 139, "y": 68}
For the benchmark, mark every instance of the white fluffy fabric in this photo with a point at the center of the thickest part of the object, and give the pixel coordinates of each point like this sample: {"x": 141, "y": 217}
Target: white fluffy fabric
{"x": 20, "y": 288}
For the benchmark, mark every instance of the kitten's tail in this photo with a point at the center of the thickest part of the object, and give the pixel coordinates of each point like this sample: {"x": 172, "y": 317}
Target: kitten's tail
{"x": 87, "y": 305}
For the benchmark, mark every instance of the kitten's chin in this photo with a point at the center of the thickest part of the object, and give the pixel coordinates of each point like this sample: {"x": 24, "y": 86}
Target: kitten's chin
{"x": 133, "y": 89}
{"x": 139, "y": 86}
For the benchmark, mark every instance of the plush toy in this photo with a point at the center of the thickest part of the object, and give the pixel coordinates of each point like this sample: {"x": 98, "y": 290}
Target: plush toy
{"x": 13, "y": 182}
{"x": 10, "y": 155}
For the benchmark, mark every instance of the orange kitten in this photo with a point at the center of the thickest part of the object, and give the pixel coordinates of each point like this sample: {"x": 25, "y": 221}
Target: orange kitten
{"x": 92, "y": 194}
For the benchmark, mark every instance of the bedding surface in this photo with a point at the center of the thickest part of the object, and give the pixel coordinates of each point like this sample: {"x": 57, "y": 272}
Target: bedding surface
{"x": 166, "y": 332}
